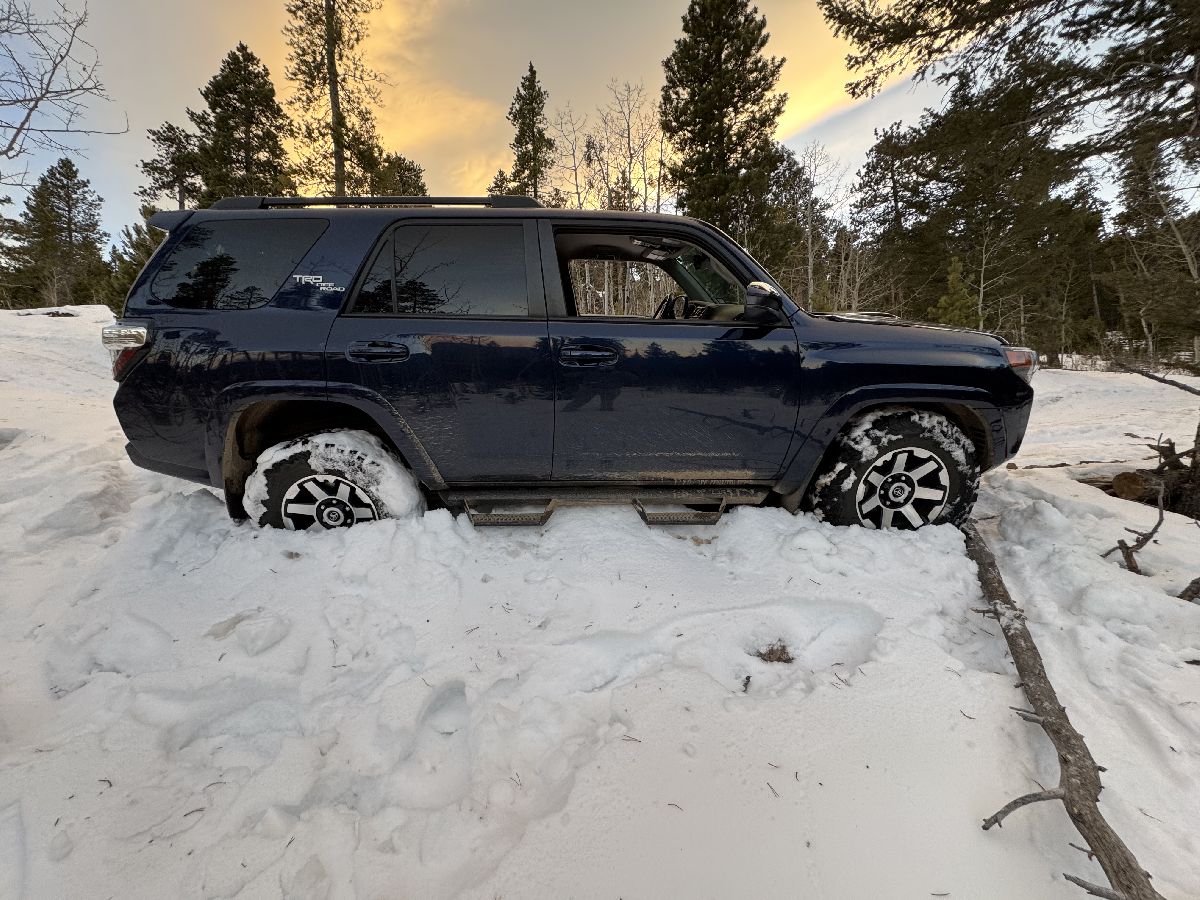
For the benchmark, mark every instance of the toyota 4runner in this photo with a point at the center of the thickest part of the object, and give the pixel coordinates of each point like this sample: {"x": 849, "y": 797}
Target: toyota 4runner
{"x": 329, "y": 361}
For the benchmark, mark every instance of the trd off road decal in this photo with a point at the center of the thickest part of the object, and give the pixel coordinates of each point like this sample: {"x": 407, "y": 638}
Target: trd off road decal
{"x": 319, "y": 281}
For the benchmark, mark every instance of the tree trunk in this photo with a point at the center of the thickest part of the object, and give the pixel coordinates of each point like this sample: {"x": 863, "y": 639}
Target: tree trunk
{"x": 336, "y": 122}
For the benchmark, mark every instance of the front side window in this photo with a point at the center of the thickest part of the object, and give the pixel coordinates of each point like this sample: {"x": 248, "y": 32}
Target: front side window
{"x": 645, "y": 277}
{"x": 234, "y": 264}
{"x": 448, "y": 270}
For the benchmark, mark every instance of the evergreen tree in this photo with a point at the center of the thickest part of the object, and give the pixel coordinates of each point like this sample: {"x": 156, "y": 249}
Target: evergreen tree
{"x": 174, "y": 170}
{"x": 335, "y": 90}
{"x": 129, "y": 257}
{"x": 501, "y": 185}
{"x": 56, "y": 254}
{"x": 1127, "y": 69}
{"x": 532, "y": 146}
{"x": 955, "y": 307}
{"x": 383, "y": 174}
{"x": 240, "y": 144}
{"x": 720, "y": 111}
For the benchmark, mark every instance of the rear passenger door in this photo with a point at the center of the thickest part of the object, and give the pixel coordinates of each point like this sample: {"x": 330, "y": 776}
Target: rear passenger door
{"x": 448, "y": 329}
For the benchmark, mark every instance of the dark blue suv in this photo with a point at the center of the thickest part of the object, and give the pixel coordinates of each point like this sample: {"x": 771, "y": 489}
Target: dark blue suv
{"x": 326, "y": 361}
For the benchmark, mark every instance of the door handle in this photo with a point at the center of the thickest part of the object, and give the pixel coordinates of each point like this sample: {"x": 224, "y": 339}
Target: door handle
{"x": 377, "y": 351}
{"x": 587, "y": 355}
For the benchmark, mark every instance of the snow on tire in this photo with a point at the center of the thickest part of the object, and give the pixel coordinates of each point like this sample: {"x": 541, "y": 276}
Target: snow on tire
{"x": 898, "y": 468}
{"x": 330, "y": 480}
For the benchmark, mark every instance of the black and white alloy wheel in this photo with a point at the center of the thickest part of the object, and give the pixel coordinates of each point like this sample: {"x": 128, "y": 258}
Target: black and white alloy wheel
{"x": 329, "y": 501}
{"x": 332, "y": 479}
{"x": 909, "y": 483}
{"x": 897, "y": 468}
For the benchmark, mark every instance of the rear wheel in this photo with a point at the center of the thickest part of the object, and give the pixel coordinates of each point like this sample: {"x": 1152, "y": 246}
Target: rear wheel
{"x": 331, "y": 480}
{"x": 898, "y": 468}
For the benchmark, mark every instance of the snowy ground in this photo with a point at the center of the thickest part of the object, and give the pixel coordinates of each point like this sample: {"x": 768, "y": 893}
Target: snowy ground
{"x": 191, "y": 708}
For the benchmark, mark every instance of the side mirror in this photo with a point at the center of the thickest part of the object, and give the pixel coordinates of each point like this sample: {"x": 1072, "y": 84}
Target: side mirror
{"x": 761, "y": 295}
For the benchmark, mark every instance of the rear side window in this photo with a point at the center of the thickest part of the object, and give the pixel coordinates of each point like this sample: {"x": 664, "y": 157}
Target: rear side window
{"x": 448, "y": 270}
{"x": 234, "y": 264}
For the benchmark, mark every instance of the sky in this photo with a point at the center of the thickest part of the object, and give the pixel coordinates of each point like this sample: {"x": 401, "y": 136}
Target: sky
{"x": 452, "y": 67}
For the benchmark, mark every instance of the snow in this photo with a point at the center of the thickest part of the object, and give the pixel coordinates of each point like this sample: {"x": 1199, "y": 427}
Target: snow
{"x": 417, "y": 708}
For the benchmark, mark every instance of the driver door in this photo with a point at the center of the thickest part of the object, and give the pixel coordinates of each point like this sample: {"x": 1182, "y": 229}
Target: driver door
{"x": 640, "y": 398}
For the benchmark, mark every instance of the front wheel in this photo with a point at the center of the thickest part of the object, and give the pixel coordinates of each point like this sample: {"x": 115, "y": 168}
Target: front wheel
{"x": 898, "y": 468}
{"x": 331, "y": 480}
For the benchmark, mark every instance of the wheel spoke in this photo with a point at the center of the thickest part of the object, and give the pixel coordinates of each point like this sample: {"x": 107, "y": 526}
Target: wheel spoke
{"x": 300, "y": 509}
{"x": 363, "y": 513}
{"x": 898, "y": 462}
{"x": 316, "y": 491}
{"x": 885, "y": 518}
{"x": 921, "y": 471}
{"x": 869, "y": 505}
{"x": 914, "y": 517}
{"x": 343, "y": 491}
{"x": 922, "y": 493}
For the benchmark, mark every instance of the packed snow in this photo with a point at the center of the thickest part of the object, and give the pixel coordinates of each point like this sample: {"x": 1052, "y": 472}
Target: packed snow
{"x": 417, "y": 708}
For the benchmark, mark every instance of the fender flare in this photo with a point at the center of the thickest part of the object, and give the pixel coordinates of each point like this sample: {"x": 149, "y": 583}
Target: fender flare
{"x": 817, "y": 433}
{"x": 235, "y": 400}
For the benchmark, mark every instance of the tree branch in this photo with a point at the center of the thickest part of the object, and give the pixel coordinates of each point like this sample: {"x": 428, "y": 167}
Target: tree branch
{"x": 997, "y": 818}
{"x": 1079, "y": 776}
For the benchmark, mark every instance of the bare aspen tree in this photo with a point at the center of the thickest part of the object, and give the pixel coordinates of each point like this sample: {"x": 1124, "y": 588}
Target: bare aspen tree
{"x": 48, "y": 72}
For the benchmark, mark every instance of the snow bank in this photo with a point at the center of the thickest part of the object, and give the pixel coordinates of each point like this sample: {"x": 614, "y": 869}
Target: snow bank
{"x": 416, "y": 708}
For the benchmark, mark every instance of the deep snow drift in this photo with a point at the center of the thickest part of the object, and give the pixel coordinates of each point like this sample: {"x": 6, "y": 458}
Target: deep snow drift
{"x": 193, "y": 708}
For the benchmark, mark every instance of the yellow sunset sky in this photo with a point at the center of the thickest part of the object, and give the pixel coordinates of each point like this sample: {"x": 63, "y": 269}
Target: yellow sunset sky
{"x": 452, "y": 67}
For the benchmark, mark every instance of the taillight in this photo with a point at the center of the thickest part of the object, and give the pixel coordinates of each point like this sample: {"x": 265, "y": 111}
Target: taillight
{"x": 125, "y": 344}
{"x": 1022, "y": 360}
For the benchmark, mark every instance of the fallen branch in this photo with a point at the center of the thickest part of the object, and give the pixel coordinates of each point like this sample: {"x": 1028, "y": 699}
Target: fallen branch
{"x": 1143, "y": 538}
{"x": 1176, "y": 384}
{"x": 1079, "y": 777}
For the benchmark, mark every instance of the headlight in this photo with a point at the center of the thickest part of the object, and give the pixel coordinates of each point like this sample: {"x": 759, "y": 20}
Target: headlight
{"x": 1023, "y": 361}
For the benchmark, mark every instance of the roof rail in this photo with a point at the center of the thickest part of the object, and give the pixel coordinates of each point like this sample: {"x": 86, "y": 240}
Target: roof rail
{"x": 495, "y": 201}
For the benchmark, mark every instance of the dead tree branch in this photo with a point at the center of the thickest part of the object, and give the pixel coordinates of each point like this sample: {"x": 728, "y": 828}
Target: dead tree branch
{"x": 1136, "y": 371}
{"x": 1079, "y": 777}
{"x": 998, "y": 818}
{"x": 1143, "y": 538}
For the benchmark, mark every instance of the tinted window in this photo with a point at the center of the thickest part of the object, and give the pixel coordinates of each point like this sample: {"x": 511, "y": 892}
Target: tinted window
{"x": 448, "y": 270}
{"x": 235, "y": 264}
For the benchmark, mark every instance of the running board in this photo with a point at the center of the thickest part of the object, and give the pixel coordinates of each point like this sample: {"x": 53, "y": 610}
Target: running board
{"x": 688, "y": 517}
{"x": 480, "y": 505}
{"x": 508, "y": 518}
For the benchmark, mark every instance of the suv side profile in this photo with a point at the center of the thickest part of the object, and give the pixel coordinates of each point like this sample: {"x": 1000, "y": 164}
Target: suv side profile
{"x": 326, "y": 361}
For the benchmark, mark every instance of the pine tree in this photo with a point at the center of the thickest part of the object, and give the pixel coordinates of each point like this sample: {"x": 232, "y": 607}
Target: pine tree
{"x": 720, "y": 111}
{"x": 56, "y": 255}
{"x": 501, "y": 185}
{"x": 240, "y": 145}
{"x": 174, "y": 170}
{"x": 1127, "y": 68}
{"x": 129, "y": 257}
{"x": 532, "y": 146}
{"x": 335, "y": 90}
{"x": 383, "y": 174}
{"x": 955, "y": 307}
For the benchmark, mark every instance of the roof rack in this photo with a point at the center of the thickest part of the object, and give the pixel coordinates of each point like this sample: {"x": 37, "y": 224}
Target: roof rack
{"x": 495, "y": 201}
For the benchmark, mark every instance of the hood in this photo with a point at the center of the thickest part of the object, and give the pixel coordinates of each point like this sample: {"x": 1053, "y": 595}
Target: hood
{"x": 876, "y": 318}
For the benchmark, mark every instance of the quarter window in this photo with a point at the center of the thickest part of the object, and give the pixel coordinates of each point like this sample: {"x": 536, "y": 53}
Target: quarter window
{"x": 448, "y": 270}
{"x": 234, "y": 264}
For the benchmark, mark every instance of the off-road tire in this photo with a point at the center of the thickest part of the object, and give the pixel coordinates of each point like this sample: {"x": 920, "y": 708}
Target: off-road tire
{"x": 343, "y": 490}
{"x": 898, "y": 468}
